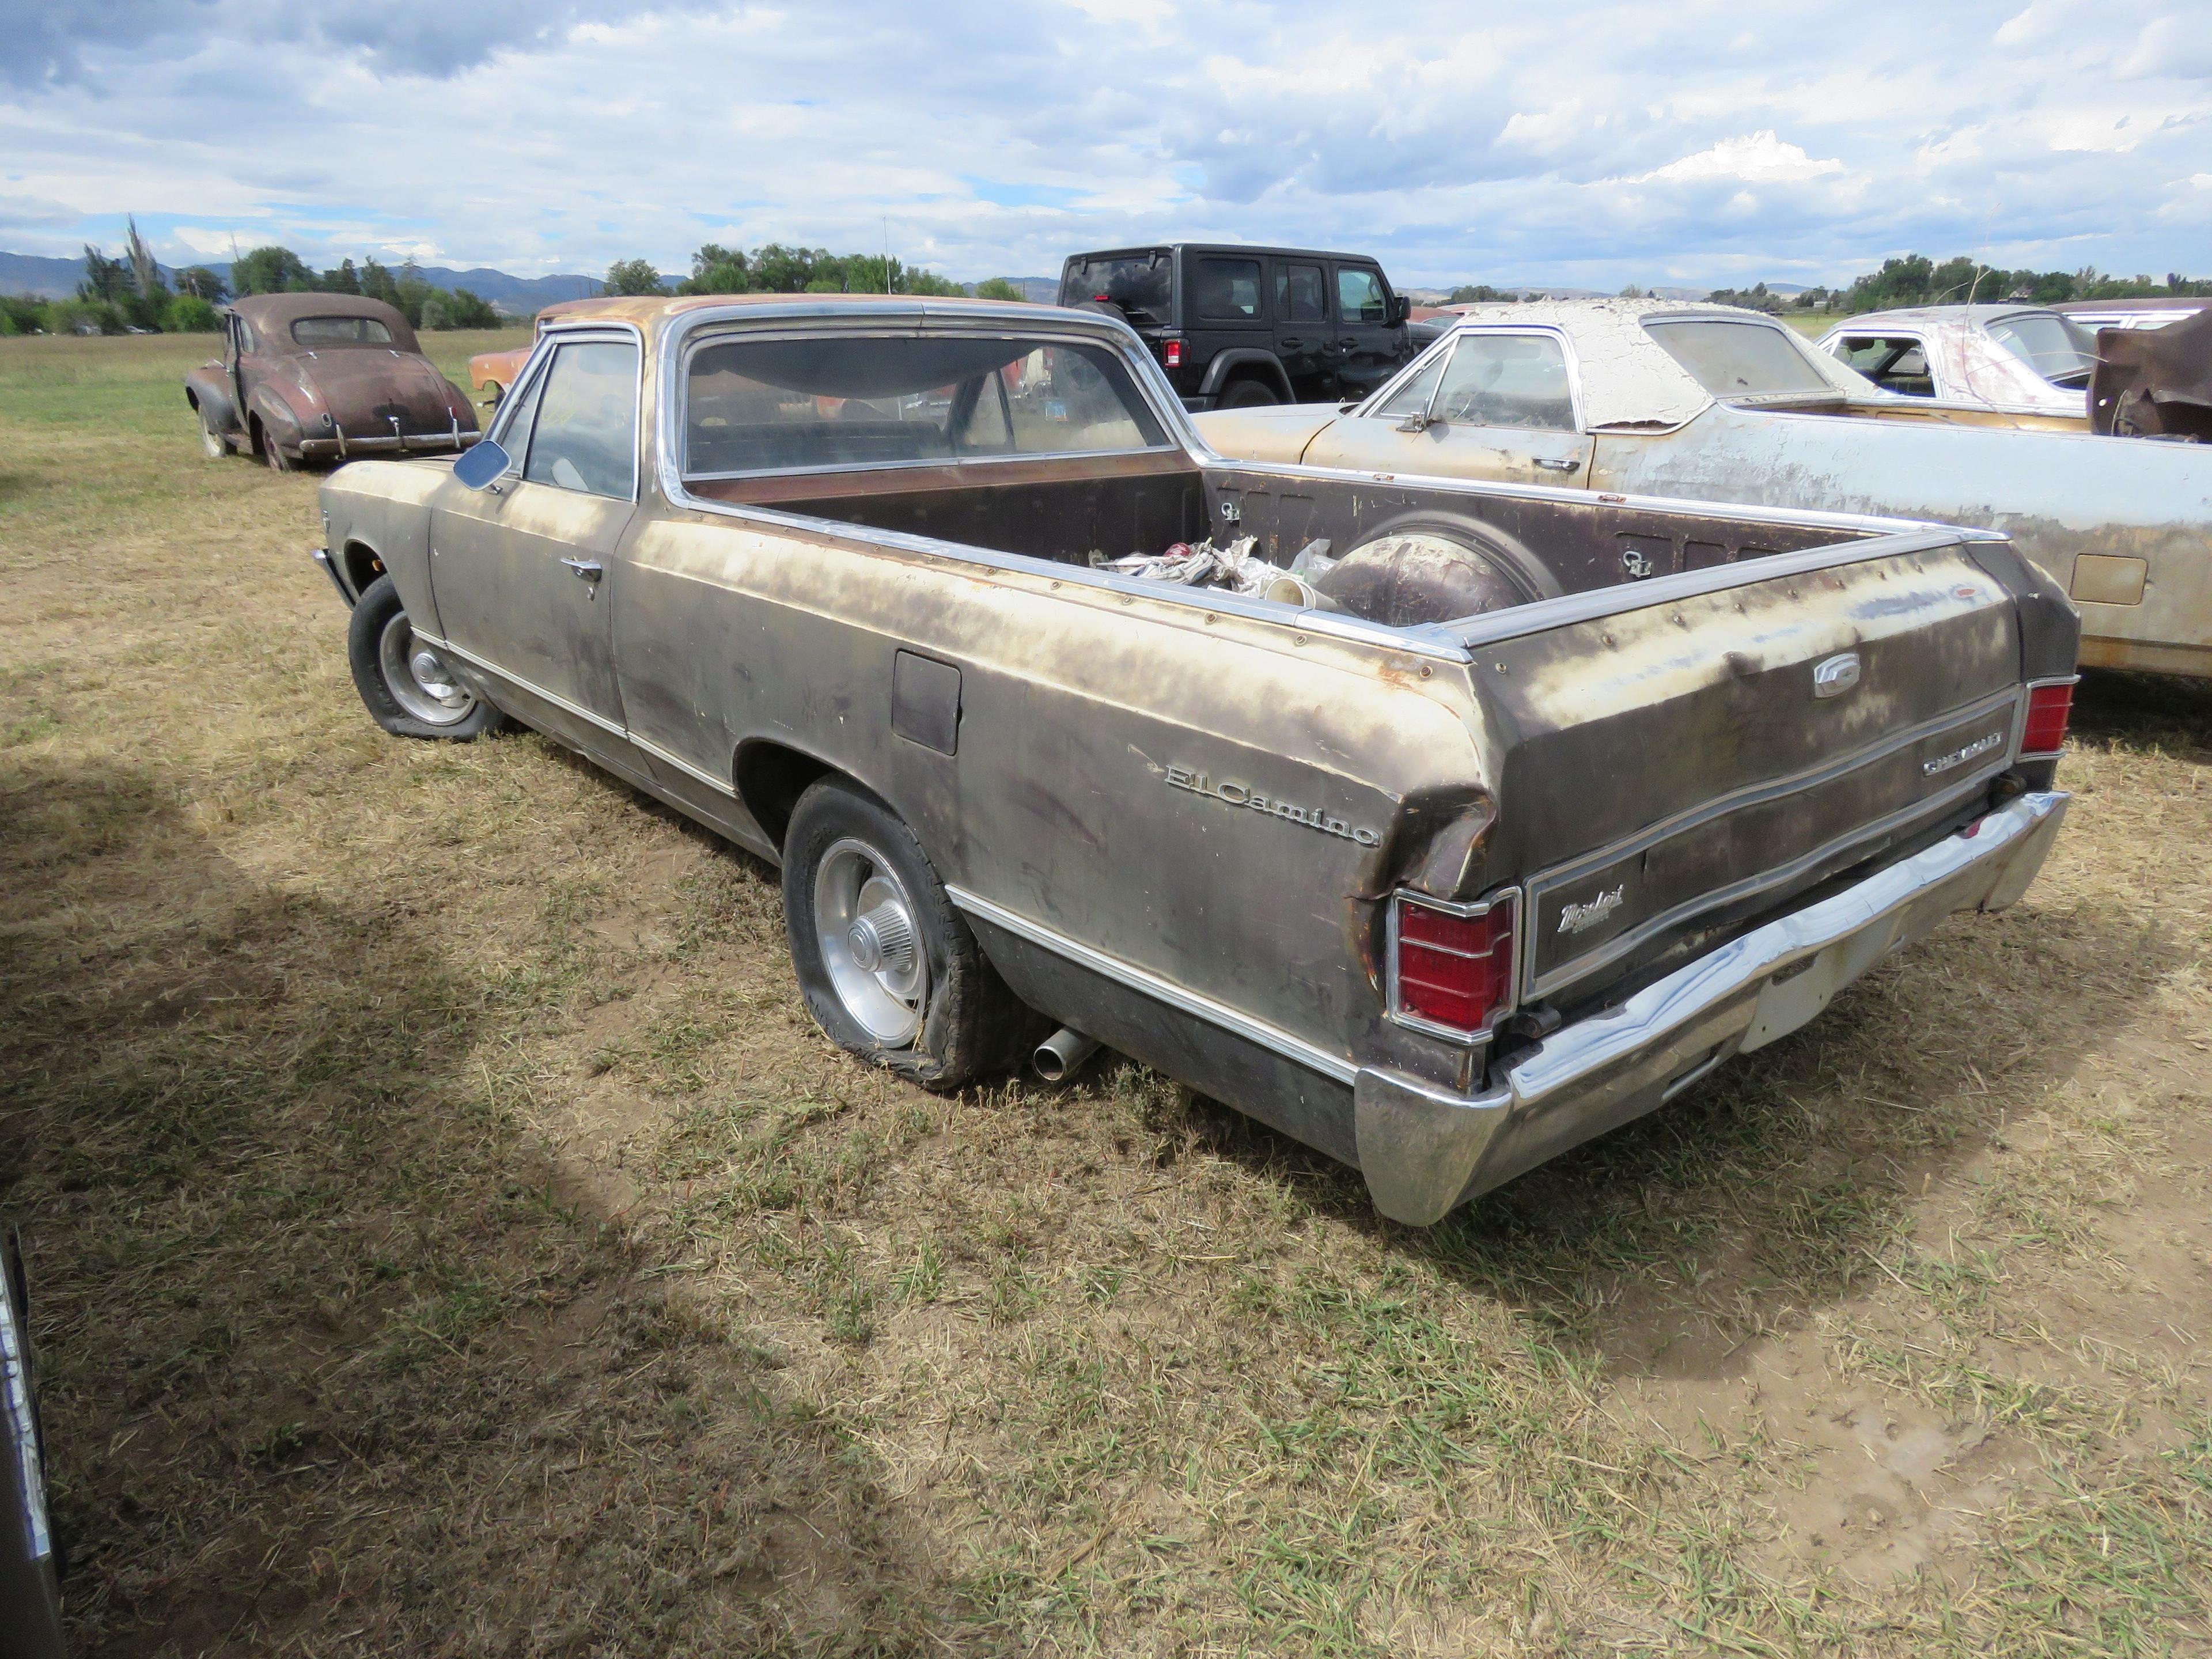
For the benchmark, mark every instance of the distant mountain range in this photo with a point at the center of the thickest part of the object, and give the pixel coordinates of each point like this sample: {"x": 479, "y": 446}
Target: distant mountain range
{"x": 47, "y": 278}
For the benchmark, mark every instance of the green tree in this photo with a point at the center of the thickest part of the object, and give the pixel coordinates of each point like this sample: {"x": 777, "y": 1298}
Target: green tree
{"x": 634, "y": 276}
{"x": 776, "y": 269}
{"x": 999, "y": 287}
{"x": 104, "y": 279}
{"x": 717, "y": 269}
{"x": 188, "y": 313}
{"x": 342, "y": 279}
{"x": 203, "y": 283}
{"x": 458, "y": 308}
{"x": 377, "y": 282}
{"x": 1476, "y": 293}
{"x": 271, "y": 269}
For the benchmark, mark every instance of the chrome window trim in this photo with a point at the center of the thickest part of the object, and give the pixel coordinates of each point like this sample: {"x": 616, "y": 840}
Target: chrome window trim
{"x": 538, "y": 364}
{"x": 1442, "y": 345}
{"x": 1339, "y": 1068}
{"x": 1545, "y": 881}
{"x": 1392, "y": 1009}
{"x": 1519, "y": 330}
{"x": 1170, "y": 442}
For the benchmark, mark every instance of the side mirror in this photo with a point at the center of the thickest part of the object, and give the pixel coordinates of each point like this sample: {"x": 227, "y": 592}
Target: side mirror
{"x": 480, "y": 463}
{"x": 1401, "y": 309}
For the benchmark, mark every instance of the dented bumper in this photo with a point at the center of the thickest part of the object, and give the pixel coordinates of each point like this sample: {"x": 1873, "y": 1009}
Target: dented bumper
{"x": 1425, "y": 1151}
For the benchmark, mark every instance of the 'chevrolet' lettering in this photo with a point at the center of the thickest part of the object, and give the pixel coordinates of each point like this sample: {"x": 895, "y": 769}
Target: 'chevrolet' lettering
{"x": 1943, "y": 763}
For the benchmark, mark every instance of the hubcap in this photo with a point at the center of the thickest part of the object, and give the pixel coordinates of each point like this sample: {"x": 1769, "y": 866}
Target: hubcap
{"x": 864, "y": 927}
{"x": 419, "y": 682}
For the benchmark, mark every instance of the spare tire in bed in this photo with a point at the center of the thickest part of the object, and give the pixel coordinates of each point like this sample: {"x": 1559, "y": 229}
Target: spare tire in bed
{"x": 1421, "y": 574}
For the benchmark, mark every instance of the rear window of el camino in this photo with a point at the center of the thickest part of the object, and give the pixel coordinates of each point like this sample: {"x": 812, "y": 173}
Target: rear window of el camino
{"x": 1739, "y": 360}
{"x": 340, "y": 331}
{"x": 790, "y": 405}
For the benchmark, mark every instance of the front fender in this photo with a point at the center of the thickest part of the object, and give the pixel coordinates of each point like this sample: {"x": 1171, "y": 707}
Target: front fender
{"x": 206, "y": 389}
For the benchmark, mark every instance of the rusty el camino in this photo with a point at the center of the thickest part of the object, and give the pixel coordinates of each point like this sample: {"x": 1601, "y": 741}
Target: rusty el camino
{"x": 1717, "y": 405}
{"x": 1441, "y": 855}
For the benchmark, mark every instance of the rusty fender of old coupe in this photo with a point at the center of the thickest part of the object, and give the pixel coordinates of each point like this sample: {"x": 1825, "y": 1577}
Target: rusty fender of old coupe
{"x": 1715, "y": 405}
{"x": 1470, "y": 850}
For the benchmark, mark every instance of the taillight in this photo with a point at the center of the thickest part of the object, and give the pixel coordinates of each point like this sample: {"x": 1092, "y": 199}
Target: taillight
{"x": 1173, "y": 354}
{"x": 2049, "y": 707}
{"x": 1451, "y": 965}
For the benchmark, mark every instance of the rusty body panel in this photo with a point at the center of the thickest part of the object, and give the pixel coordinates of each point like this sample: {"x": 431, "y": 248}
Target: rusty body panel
{"x": 492, "y": 371}
{"x": 325, "y": 377}
{"x": 1182, "y": 820}
{"x": 2125, "y": 529}
{"x": 1958, "y": 354}
{"x": 2155, "y": 383}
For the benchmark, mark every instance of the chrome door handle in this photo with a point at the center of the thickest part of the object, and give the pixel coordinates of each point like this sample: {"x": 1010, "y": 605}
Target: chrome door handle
{"x": 589, "y": 569}
{"x": 1551, "y": 465}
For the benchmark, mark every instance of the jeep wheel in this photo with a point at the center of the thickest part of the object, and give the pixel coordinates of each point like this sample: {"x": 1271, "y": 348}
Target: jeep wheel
{"x": 408, "y": 689}
{"x": 888, "y": 968}
{"x": 1250, "y": 392}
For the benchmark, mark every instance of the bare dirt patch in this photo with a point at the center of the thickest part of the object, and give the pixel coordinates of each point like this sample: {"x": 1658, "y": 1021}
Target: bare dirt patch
{"x": 452, "y": 1237}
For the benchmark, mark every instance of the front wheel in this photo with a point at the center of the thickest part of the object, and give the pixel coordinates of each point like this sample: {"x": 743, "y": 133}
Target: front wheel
{"x": 213, "y": 444}
{"x": 408, "y": 689}
{"x": 889, "y": 970}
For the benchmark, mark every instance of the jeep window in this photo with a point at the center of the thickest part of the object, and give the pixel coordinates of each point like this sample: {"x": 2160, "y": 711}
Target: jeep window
{"x": 584, "y": 438}
{"x": 1228, "y": 291}
{"x": 1359, "y": 296}
{"x": 2056, "y": 348}
{"x": 1300, "y": 296}
{"x": 1896, "y": 363}
{"x": 1141, "y": 284}
{"x": 340, "y": 331}
{"x": 1413, "y": 393}
{"x": 1508, "y": 380}
{"x": 1739, "y": 360}
{"x": 754, "y": 405}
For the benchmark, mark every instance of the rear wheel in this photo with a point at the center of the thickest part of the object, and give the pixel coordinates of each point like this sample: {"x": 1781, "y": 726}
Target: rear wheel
{"x": 1249, "y": 393}
{"x": 493, "y": 392}
{"x": 408, "y": 688}
{"x": 888, "y": 968}
{"x": 273, "y": 453}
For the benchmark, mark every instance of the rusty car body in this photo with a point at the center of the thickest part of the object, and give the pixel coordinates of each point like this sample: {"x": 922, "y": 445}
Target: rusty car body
{"x": 2026, "y": 362}
{"x": 491, "y": 372}
{"x": 324, "y": 377}
{"x": 1440, "y": 895}
{"x": 2155, "y": 382}
{"x": 1589, "y": 394}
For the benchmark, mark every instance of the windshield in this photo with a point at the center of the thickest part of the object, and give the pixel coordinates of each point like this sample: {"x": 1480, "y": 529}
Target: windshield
{"x": 340, "y": 331}
{"x": 2056, "y": 348}
{"x": 1142, "y": 284}
{"x": 1739, "y": 360}
{"x": 788, "y": 405}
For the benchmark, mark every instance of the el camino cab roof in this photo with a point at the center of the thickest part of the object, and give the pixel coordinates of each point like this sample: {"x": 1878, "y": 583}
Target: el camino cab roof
{"x": 1627, "y": 379}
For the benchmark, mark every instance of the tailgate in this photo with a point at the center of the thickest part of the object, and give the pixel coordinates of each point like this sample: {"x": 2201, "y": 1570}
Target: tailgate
{"x": 1677, "y": 769}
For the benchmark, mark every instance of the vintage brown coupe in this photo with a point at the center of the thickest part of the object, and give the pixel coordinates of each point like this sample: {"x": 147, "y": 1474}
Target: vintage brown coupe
{"x": 1470, "y": 849}
{"x": 324, "y": 377}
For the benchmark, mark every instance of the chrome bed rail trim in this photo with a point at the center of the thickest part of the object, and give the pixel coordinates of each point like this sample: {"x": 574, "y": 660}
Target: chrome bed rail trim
{"x": 1338, "y": 1068}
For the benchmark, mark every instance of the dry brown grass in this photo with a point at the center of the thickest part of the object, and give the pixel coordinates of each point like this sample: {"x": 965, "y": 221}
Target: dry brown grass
{"x": 453, "y": 1238}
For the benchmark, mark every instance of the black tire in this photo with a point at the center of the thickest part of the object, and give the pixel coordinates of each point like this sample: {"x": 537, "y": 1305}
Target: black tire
{"x": 367, "y": 651}
{"x": 273, "y": 453}
{"x": 1250, "y": 392}
{"x": 971, "y": 1025}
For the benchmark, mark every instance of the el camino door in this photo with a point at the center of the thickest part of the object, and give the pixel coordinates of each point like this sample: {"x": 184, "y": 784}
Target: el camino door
{"x": 1502, "y": 408}
{"x": 524, "y": 569}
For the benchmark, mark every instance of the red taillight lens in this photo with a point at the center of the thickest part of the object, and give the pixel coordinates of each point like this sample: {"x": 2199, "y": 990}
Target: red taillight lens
{"x": 1454, "y": 970}
{"x": 2049, "y": 708}
{"x": 1173, "y": 353}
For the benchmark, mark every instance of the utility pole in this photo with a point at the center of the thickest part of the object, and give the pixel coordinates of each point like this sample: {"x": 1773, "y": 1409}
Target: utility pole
{"x": 888, "y": 285}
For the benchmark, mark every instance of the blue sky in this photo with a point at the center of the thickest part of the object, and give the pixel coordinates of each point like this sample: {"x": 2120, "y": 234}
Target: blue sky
{"x": 1567, "y": 143}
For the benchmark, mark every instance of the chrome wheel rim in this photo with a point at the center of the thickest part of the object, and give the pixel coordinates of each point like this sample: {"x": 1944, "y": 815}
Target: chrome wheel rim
{"x": 420, "y": 682}
{"x": 211, "y": 444}
{"x": 866, "y": 926}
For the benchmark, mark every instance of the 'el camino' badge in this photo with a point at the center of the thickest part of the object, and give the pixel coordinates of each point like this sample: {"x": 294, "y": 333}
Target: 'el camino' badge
{"x": 1575, "y": 918}
{"x": 1235, "y": 794}
{"x": 1943, "y": 763}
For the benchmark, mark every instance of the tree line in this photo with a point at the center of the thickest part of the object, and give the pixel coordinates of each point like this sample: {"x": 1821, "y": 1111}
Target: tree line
{"x": 1916, "y": 280}
{"x": 130, "y": 292}
{"x": 775, "y": 269}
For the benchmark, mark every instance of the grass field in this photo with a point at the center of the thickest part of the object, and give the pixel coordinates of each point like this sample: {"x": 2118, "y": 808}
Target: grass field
{"x": 450, "y": 1237}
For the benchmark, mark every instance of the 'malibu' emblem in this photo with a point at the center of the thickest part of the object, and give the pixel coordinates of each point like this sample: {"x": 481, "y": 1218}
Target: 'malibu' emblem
{"x": 1236, "y": 794}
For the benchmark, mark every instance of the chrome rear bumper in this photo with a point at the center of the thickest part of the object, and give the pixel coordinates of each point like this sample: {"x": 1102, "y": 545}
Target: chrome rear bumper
{"x": 1426, "y": 1150}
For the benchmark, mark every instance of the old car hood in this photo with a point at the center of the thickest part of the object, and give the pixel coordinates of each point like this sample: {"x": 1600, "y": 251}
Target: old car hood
{"x": 364, "y": 390}
{"x": 1277, "y": 434}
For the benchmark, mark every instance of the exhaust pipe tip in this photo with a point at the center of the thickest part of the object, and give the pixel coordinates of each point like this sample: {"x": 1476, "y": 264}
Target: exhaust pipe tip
{"x": 1062, "y": 1055}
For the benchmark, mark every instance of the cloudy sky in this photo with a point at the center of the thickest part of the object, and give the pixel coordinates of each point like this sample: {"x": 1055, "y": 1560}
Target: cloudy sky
{"x": 1592, "y": 144}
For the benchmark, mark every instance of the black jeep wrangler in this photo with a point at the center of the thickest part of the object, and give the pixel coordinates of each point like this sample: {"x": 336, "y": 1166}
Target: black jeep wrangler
{"x": 1236, "y": 326}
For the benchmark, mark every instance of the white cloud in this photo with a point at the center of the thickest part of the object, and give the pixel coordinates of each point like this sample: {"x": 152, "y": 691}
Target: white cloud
{"x": 1756, "y": 155}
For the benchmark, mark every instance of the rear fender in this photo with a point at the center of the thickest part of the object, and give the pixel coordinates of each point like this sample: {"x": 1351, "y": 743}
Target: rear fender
{"x": 1245, "y": 362}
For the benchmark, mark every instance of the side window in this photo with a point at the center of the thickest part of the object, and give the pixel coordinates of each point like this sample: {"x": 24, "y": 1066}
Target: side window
{"x": 585, "y": 437}
{"x": 1229, "y": 290}
{"x": 1299, "y": 295}
{"x": 1359, "y": 295}
{"x": 1508, "y": 380}
{"x": 1894, "y": 362}
{"x": 1412, "y": 397}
